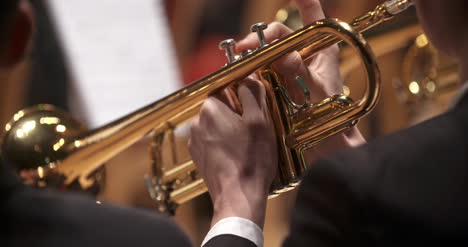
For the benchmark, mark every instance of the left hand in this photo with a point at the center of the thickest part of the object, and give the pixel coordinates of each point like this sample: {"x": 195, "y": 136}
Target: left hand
{"x": 320, "y": 73}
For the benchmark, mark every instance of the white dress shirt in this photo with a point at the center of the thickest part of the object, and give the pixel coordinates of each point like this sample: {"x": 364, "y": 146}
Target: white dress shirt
{"x": 249, "y": 230}
{"x": 236, "y": 226}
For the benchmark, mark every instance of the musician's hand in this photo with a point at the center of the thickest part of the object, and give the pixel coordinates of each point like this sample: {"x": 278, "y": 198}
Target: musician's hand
{"x": 236, "y": 154}
{"x": 321, "y": 74}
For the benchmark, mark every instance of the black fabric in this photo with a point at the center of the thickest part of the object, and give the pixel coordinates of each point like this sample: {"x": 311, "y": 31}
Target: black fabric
{"x": 407, "y": 189}
{"x": 6, "y": 9}
{"x": 32, "y": 217}
{"x": 228, "y": 240}
{"x": 49, "y": 77}
{"x": 8, "y": 182}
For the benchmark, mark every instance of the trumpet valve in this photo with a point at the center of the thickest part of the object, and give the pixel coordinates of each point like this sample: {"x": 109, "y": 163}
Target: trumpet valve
{"x": 246, "y": 53}
{"x": 228, "y": 45}
{"x": 258, "y": 28}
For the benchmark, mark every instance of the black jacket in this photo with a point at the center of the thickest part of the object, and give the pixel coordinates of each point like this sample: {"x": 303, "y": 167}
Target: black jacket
{"x": 32, "y": 217}
{"x": 407, "y": 189}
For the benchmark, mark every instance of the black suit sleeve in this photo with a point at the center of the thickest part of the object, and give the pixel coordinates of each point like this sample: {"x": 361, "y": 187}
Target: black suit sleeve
{"x": 228, "y": 240}
{"x": 324, "y": 211}
{"x": 406, "y": 189}
{"x": 44, "y": 218}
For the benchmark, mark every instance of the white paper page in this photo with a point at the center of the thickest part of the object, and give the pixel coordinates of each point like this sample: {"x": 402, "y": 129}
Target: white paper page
{"x": 119, "y": 53}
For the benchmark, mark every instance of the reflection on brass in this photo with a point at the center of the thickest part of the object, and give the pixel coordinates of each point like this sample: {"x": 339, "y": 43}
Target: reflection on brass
{"x": 77, "y": 155}
{"x": 401, "y": 39}
{"x": 290, "y": 17}
{"x": 35, "y": 141}
{"x": 424, "y": 77}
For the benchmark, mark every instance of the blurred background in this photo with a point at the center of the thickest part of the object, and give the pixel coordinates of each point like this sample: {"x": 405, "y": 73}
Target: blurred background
{"x": 418, "y": 82}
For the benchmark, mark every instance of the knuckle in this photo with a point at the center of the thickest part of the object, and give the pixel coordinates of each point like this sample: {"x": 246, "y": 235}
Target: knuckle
{"x": 276, "y": 30}
{"x": 252, "y": 84}
{"x": 276, "y": 25}
{"x": 208, "y": 109}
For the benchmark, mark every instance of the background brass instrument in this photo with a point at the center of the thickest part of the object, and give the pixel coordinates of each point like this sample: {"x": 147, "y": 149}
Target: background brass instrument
{"x": 45, "y": 144}
{"x": 426, "y": 74}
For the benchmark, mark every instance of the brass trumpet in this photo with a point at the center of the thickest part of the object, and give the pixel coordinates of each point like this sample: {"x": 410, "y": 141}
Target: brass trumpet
{"x": 48, "y": 143}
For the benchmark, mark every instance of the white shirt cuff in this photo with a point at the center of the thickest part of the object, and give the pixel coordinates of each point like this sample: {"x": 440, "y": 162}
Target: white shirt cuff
{"x": 236, "y": 226}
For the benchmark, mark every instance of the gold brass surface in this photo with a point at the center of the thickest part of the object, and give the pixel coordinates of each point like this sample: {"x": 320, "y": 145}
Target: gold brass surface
{"x": 81, "y": 154}
{"x": 424, "y": 75}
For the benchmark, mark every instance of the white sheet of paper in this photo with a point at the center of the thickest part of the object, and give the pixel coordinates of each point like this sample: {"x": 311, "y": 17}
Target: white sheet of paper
{"x": 120, "y": 55}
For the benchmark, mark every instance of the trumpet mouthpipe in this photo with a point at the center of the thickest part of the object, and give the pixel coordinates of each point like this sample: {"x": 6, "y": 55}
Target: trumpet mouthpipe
{"x": 380, "y": 14}
{"x": 395, "y": 7}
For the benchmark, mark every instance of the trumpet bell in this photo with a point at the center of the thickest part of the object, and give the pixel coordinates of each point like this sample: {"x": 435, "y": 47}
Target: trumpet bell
{"x": 41, "y": 132}
{"x": 35, "y": 141}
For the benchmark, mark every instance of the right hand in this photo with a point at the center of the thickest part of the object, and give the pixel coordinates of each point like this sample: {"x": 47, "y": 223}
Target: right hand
{"x": 236, "y": 154}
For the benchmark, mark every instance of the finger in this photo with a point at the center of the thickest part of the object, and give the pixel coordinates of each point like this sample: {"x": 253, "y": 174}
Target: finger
{"x": 229, "y": 97}
{"x": 194, "y": 133}
{"x": 253, "y": 77}
{"x": 310, "y": 10}
{"x": 190, "y": 145}
{"x": 327, "y": 78}
{"x": 291, "y": 67}
{"x": 274, "y": 31}
{"x": 223, "y": 96}
{"x": 194, "y": 147}
{"x": 215, "y": 114}
{"x": 194, "y": 127}
{"x": 252, "y": 97}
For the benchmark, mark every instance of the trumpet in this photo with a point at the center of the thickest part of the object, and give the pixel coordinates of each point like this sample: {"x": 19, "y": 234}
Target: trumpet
{"x": 51, "y": 145}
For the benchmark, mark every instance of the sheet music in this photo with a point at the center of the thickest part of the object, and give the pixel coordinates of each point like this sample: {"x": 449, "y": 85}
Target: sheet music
{"x": 119, "y": 53}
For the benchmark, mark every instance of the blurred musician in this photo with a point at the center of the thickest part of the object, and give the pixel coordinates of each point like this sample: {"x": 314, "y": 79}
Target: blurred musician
{"x": 44, "y": 218}
{"x": 407, "y": 189}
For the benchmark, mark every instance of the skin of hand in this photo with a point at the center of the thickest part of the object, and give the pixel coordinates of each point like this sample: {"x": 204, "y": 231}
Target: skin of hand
{"x": 236, "y": 154}
{"x": 320, "y": 73}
